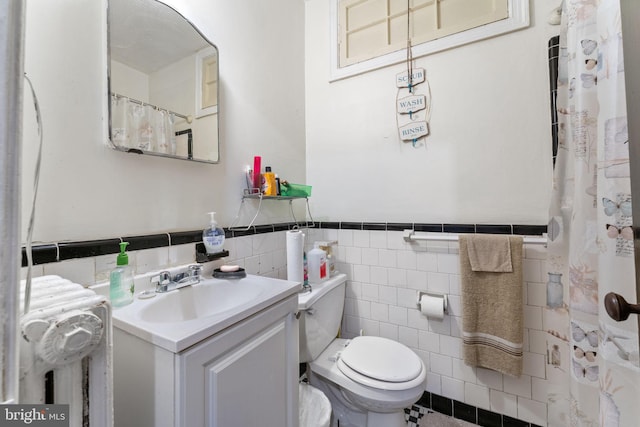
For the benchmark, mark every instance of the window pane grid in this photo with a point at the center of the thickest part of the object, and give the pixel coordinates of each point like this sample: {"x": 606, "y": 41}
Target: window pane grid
{"x": 369, "y": 28}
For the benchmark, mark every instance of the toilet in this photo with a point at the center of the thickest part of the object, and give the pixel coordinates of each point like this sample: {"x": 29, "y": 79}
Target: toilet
{"x": 368, "y": 380}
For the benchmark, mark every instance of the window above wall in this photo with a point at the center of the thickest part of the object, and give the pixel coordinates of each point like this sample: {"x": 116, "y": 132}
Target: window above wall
{"x": 370, "y": 34}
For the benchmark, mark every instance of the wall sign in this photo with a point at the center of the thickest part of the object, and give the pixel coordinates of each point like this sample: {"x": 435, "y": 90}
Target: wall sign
{"x": 413, "y": 108}
{"x": 414, "y": 130}
{"x": 411, "y": 104}
{"x": 418, "y": 75}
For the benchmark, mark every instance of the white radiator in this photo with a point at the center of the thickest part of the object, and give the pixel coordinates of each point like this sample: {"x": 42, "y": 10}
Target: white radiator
{"x": 65, "y": 351}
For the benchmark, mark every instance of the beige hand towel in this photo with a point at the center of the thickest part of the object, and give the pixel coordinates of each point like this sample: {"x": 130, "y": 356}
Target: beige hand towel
{"x": 492, "y": 319}
{"x": 490, "y": 252}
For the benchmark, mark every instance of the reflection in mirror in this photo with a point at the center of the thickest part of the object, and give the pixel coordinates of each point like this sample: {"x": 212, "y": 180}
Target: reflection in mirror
{"x": 163, "y": 83}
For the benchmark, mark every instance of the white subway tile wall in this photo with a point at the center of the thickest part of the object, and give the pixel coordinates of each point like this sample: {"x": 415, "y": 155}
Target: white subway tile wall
{"x": 385, "y": 274}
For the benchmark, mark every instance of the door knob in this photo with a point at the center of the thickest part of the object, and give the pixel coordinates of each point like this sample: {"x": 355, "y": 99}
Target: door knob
{"x": 618, "y": 308}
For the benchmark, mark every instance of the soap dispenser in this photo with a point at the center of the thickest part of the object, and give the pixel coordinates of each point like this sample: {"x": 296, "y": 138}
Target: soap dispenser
{"x": 213, "y": 236}
{"x": 121, "y": 284}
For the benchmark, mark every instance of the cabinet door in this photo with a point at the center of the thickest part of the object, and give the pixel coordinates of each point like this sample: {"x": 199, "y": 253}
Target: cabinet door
{"x": 247, "y": 386}
{"x": 244, "y": 377}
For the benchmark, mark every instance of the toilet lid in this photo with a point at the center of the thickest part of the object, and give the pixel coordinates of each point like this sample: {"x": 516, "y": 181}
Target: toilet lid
{"x": 381, "y": 359}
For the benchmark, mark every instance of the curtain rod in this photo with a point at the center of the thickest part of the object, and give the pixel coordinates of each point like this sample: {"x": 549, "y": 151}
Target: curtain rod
{"x": 409, "y": 236}
{"x": 189, "y": 119}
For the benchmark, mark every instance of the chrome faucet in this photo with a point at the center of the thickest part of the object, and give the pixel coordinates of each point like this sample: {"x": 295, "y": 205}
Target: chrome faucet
{"x": 165, "y": 283}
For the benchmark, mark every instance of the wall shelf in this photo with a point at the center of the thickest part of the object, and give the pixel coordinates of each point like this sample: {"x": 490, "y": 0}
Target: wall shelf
{"x": 261, "y": 197}
{"x": 202, "y": 255}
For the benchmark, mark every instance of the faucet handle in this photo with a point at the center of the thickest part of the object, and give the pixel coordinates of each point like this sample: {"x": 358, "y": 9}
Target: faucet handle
{"x": 160, "y": 278}
{"x": 162, "y": 281}
{"x": 195, "y": 270}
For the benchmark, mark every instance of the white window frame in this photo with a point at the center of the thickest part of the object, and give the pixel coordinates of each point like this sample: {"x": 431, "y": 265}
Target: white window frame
{"x": 518, "y": 19}
{"x": 200, "y": 57}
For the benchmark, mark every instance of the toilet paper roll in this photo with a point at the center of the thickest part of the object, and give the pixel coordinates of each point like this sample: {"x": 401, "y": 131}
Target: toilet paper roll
{"x": 295, "y": 254}
{"x": 433, "y": 306}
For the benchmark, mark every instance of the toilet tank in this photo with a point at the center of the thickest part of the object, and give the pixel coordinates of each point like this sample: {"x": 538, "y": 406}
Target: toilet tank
{"x": 320, "y": 316}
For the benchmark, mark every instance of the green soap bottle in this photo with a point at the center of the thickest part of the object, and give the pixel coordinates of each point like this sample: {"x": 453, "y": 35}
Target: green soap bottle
{"x": 121, "y": 285}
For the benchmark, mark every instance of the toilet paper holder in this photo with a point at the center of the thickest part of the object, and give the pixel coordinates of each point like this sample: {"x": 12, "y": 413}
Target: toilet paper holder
{"x": 445, "y": 300}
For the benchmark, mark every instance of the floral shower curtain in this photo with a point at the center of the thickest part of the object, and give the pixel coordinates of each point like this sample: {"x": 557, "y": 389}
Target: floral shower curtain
{"x": 141, "y": 126}
{"x": 592, "y": 367}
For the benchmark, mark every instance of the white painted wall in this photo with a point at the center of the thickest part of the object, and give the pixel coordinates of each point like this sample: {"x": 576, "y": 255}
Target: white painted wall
{"x": 487, "y": 160}
{"x": 129, "y": 81}
{"x": 88, "y": 191}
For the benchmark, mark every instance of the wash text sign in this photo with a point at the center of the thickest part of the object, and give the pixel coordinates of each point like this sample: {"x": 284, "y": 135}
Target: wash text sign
{"x": 411, "y": 104}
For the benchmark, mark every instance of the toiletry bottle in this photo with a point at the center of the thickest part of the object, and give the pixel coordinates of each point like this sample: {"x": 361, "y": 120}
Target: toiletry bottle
{"x": 213, "y": 236}
{"x": 305, "y": 270}
{"x": 256, "y": 174}
{"x": 328, "y": 248}
{"x": 121, "y": 285}
{"x": 249, "y": 177}
{"x": 317, "y": 260}
{"x": 269, "y": 182}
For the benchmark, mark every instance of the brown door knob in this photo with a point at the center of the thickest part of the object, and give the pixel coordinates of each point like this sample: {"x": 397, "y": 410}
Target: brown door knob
{"x": 618, "y": 308}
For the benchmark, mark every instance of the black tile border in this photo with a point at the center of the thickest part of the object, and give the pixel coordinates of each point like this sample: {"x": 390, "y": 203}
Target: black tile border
{"x": 398, "y": 226}
{"x": 41, "y": 254}
{"x": 184, "y": 237}
{"x": 442, "y": 404}
{"x": 488, "y": 418}
{"x": 351, "y": 226}
{"x": 428, "y": 228}
{"x": 329, "y": 225}
{"x": 89, "y": 248}
{"x": 469, "y": 413}
{"x": 493, "y": 229}
{"x": 459, "y": 228}
{"x": 529, "y": 230}
{"x": 380, "y": 226}
{"x": 55, "y": 252}
{"x": 513, "y": 422}
{"x": 150, "y": 241}
{"x": 465, "y": 412}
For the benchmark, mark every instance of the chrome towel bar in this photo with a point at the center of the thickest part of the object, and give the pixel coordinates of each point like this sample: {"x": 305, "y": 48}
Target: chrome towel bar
{"x": 410, "y": 236}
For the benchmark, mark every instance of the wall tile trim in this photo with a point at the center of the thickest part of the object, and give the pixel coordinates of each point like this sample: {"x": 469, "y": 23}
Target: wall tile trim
{"x": 469, "y": 413}
{"x": 55, "y": 252}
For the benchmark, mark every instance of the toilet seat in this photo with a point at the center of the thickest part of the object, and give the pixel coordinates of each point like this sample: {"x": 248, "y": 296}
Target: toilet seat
{"x": 381, "y": 363}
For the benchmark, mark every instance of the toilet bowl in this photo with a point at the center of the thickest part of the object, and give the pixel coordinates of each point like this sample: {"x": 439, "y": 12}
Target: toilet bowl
{"x": 351, "y": 380}
{"x": 368, "y": 380}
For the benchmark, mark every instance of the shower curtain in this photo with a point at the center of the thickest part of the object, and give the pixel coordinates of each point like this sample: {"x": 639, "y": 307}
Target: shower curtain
{"x": 142, "y": 126}
{"x": 592, "y": 368}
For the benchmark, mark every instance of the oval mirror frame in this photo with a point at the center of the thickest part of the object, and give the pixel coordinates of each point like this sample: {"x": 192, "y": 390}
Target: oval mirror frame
{"x": 163, "y": 83}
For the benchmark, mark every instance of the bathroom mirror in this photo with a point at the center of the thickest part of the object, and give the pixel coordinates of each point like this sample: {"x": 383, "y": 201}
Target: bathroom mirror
{"x": 163, "y": 83}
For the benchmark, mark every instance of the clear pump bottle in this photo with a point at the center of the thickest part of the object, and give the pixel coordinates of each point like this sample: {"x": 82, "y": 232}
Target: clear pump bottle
{"x": 213, "y": 236}
{"x": 121, "y": 284}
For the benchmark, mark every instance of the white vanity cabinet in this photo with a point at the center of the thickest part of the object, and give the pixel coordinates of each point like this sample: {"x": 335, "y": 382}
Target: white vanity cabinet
{"x": 244, "y": 375}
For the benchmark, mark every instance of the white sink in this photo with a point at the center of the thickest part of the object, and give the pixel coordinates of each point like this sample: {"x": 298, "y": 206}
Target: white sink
{"x": 178, "y": 319}
{"x": 199, "y": 301}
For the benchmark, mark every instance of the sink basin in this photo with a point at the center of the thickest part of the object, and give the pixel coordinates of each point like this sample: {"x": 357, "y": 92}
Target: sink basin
{"x": 180, "y": 318}
{"x": 202, "y": 300}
